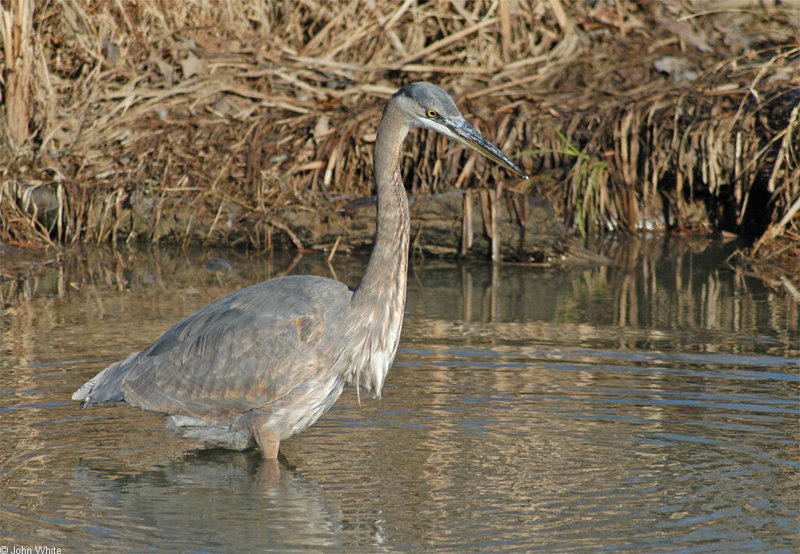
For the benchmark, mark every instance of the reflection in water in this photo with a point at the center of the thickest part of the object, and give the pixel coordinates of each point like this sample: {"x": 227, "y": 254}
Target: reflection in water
{"x": 646, "y": 405}
{"x": 653, "y": 296}
{"x": 209, "y": 498}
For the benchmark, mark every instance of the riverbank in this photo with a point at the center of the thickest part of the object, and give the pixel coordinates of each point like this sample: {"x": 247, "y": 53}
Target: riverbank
{"x": 253, "y": 125}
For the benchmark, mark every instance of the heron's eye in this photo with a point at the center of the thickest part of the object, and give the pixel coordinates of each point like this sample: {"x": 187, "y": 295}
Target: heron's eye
{"x": 433, "y": 114}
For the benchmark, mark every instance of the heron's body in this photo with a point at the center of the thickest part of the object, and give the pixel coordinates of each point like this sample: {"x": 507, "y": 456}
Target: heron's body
{"x": 224, "y": 390}
{"x": 266, "y": 361}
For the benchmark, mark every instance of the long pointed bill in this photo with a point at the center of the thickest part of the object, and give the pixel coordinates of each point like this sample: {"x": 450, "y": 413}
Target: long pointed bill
{"x": 464, "y": 133}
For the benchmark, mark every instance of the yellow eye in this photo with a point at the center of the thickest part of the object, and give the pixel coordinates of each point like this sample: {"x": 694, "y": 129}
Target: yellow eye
{"x": 433, "y": 114}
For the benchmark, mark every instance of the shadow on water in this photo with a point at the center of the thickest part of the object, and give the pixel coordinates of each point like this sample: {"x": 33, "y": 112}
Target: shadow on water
{"x": 645, "y": 405}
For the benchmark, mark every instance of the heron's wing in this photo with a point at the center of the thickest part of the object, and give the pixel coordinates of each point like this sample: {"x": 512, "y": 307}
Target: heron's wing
{"x": 242, "y": 351}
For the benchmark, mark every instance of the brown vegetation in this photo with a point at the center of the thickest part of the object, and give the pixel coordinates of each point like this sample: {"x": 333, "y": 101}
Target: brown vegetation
{"x": 224, "y": 121}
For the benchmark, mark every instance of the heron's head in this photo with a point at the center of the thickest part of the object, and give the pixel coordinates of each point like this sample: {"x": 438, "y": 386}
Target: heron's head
{"x": 426, "y": 105}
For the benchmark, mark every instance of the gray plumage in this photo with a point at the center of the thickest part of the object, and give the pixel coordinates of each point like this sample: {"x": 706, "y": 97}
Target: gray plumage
{"x": 266, "y": 361}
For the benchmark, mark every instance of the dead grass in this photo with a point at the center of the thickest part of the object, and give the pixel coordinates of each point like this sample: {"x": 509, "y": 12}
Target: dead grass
{"x": 218, "y": 121}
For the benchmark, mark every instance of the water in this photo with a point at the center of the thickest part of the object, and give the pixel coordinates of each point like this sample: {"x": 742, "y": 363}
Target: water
{"x": 649, "y": 405}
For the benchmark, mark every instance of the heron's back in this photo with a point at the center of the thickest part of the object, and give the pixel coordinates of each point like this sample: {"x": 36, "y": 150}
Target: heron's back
{"x": 237, "y": 354}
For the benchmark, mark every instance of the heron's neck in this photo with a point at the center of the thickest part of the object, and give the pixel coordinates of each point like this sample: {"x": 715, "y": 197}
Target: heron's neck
{"x": 387, "y": 268}
{"x": 377, "y": 306}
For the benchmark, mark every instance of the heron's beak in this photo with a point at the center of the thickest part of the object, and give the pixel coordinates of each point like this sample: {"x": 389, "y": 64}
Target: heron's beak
{"x": 466, "y": 134}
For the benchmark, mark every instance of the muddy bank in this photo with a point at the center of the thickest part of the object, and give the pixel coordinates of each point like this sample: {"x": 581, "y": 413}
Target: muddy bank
{"x": 248, "y": 123}
{"x": 450, "y": 223}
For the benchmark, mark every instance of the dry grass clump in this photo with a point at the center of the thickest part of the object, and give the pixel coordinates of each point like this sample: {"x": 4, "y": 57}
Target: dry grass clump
{"x": 221, "y": 120}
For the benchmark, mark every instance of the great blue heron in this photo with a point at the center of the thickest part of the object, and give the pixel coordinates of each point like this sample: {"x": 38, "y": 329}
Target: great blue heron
{"x": 266, "y": 361}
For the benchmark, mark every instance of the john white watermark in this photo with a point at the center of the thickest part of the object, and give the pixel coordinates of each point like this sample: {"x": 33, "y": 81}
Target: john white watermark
{"x": 30, "y": 550}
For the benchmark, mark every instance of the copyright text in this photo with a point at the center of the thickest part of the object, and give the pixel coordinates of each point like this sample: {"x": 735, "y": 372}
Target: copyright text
{"x": 30, "y": 550}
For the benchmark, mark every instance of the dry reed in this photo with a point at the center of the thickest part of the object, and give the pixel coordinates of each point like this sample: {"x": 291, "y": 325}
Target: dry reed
{"x": 220, "y": 121}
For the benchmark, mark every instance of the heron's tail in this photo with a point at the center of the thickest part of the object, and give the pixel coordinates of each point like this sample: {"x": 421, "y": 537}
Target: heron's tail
{"x": 87, "y": 387}
{"x": 106, "y": 385}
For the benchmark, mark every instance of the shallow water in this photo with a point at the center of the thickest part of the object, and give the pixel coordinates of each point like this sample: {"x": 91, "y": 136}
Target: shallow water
{"x": 649, "y": 405}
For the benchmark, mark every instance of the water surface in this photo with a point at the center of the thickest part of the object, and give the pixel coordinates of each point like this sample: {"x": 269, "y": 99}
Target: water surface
{"x": 648, "y": 405}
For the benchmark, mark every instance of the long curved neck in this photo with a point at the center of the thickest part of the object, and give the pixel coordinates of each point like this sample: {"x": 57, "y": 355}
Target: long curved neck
{"x": 377, "y": 305}
{"x": 387, "y": 269}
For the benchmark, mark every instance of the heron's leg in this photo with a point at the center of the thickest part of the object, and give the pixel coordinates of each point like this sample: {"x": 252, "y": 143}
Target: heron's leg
{"x": 268, "y": 441}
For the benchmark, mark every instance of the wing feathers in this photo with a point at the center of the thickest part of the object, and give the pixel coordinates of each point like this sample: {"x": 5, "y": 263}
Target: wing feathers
{"x": 241, "y": 352}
